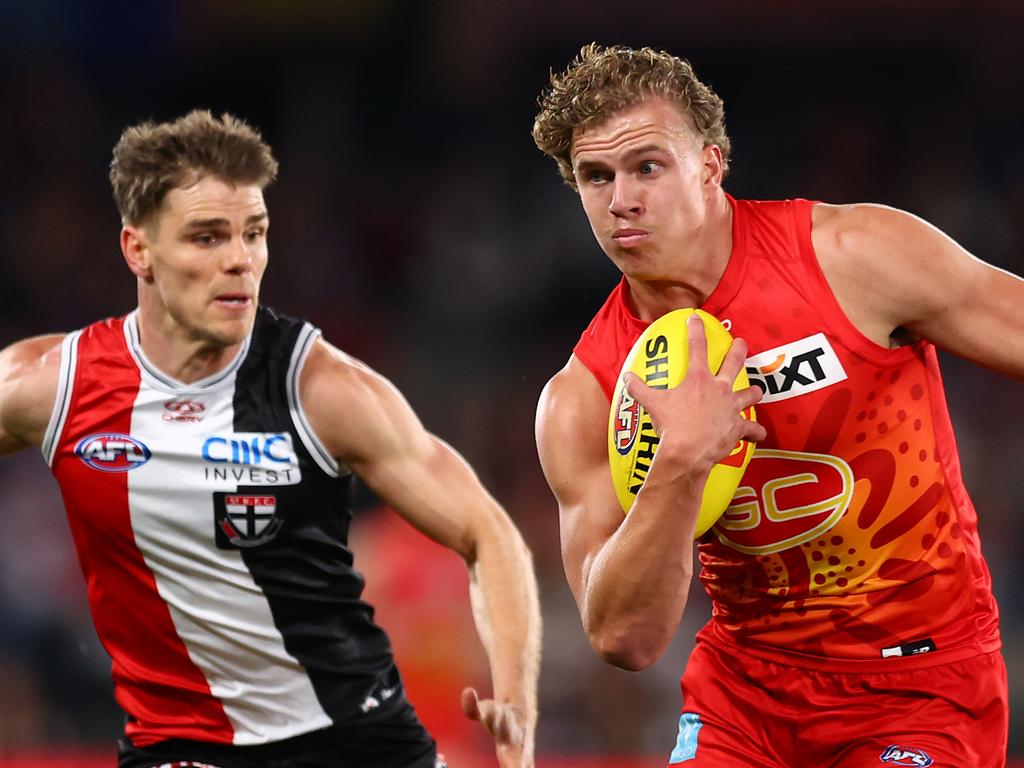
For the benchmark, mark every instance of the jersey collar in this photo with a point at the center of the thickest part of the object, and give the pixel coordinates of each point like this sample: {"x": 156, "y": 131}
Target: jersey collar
{"x": 158, "y": 378}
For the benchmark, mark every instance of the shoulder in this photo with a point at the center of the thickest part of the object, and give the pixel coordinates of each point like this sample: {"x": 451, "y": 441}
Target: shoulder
{"x": 356, "y": 412}
{"x": 572, "y": 420}
{"x": 29, "y": 364}
{"x": 859, "y": 228}
{"x": 29, "y": 354}
{"x": 29, "y": 371}
{"x": 888, "y": 268}
{"x": 333, "y": 373}
{"x": 895, "y": 249}
{"x": 570, "y": 392}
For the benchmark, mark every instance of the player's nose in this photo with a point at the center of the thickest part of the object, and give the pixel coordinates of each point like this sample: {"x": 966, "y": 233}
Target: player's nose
{"x": 625, "y": 201}
{"x": 238, "y": 256}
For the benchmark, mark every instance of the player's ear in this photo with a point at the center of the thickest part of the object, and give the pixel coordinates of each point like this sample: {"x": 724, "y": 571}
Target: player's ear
{"x": 135, "y": 249}
{"x": 714, "y": 166}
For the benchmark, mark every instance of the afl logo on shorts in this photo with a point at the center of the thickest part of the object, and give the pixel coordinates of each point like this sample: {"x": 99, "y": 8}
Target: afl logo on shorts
{"x": 112, "y": 452}
{"x": 894, "y": 755}
{"x": 627, "y": 420}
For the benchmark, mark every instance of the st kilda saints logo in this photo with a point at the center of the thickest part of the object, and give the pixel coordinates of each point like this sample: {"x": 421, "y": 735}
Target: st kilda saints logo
{"x": 245, "y": 519}
{"x": 795, "y": 369}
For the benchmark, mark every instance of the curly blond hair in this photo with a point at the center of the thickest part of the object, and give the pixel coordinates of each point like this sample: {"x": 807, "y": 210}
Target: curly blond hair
{"x": 603, "y": 80}
{"x": 151, "y": 159}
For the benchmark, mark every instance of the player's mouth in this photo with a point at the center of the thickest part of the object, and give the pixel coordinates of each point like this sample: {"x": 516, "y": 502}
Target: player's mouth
{"x": 233, "y": 300}
{"x": 629, "y": 238}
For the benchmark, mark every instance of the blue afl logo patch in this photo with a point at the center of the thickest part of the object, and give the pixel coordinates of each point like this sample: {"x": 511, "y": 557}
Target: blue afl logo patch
{"x": 894, "y": 755}
{"x": 627, "y": 421}
{"x": 112, "y": 452}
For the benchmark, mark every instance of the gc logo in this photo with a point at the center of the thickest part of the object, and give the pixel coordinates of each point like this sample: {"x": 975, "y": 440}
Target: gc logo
{"x": 787, "y": 498}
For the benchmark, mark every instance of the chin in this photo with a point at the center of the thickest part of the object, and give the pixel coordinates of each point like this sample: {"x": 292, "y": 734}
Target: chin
{"x": 227, "y": 334}
{"x": 633, "y": 264}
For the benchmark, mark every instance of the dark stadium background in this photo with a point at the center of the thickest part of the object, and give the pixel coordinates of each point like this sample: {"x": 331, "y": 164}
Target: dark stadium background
{"x": 415, "y": 222}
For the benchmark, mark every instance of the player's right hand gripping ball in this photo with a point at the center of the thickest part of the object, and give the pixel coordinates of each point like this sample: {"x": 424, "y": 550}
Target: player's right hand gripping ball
{"x": 659, "y": 358}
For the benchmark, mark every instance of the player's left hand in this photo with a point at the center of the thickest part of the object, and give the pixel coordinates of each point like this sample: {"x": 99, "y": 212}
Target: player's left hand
{"x": 506, "y": 724}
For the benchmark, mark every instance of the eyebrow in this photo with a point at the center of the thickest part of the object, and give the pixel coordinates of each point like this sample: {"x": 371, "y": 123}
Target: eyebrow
{"x": 220, "y": 222}
{"x": 644, "y": 150}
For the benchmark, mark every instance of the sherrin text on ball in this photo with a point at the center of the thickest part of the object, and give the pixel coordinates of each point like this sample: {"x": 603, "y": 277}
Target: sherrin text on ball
{"x": 660, "y": 357}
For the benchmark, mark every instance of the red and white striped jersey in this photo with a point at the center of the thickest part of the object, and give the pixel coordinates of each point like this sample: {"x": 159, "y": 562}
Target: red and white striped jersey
{"x": 212, "y": 526}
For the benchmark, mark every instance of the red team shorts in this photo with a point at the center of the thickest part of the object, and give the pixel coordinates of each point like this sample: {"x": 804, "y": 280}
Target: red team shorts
{"x": 739, "y": 711}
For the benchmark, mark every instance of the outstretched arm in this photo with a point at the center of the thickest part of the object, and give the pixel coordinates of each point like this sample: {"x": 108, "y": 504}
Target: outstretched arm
{"x": 431, "y": 486}
{"x": 631, "y": 576}
{"x": 28, "y": 385}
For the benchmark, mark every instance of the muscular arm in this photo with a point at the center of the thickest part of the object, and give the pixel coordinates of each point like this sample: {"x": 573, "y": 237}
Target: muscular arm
{"x": 631, "y": 575}
{"x": 430, "y": 485}
{"x": 28, "y": 385}
{"x": 890, "y": 270}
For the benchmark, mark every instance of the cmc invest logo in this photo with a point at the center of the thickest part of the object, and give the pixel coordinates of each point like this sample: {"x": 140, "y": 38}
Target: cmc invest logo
{"x": 251, "y": 448}
{"x": 112, "y": 452}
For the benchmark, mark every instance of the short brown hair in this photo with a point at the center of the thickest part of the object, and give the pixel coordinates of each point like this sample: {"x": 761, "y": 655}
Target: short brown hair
{"x": 151, "y": 159}
{"x": 602, "y": 81}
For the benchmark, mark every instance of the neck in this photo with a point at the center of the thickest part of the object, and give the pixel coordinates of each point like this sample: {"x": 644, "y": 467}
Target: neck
{"x": 702, "y": 262}
{"x": 177, "y": 352}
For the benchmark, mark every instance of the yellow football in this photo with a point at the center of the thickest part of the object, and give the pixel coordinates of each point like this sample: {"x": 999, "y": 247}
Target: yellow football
{"x": 659, "y": 358}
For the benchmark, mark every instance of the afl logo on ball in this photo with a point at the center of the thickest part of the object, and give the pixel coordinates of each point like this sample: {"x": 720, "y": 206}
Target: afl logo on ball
{"x": 183, "y": 410}
{"x": 627, "y": 420}
{"x": 112, "y": 452}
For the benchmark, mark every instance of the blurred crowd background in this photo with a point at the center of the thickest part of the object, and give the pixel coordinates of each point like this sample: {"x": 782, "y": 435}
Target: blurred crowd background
{"x": 416, "y": 223}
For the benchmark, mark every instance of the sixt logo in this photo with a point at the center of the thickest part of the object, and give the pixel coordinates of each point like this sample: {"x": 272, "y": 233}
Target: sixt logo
{"x": 250, "y": 448}
{"x": 795, "y": 369}
{"x": 894, "y": 755}
{"x": 112, "y": 452}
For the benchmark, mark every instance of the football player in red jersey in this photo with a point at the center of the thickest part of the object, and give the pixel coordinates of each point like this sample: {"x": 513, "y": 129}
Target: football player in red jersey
{"x": 853, "y": 618}
{"x": 214, "y": 542}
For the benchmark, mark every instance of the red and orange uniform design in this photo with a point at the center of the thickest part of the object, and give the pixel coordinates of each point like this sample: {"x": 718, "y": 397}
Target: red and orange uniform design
{"x": 851, "y": 537}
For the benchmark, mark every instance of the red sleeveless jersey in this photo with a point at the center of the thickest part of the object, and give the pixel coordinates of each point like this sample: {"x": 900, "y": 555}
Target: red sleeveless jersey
{"x": 851, "y": 537}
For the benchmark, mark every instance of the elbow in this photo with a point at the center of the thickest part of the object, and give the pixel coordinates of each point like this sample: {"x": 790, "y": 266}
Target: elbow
{"x": 632, "y": 650}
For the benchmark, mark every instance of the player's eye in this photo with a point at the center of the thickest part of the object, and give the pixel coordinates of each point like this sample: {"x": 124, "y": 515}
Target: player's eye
{"x": 648, "y": 167}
